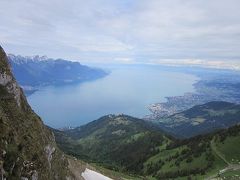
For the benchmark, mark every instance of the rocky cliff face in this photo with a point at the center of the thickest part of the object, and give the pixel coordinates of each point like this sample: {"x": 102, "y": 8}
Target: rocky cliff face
{"x": 27, "y": 148}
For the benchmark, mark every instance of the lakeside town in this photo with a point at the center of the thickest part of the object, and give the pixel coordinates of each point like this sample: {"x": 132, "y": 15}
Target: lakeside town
{"x": 207, "y": 89}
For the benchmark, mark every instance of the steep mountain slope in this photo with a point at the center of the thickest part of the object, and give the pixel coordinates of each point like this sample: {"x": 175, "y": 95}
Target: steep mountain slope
{"x": 27, "y": 147}
{"x": 32, "y": 72}
{"x": 134, "y": 146}
{"x": 202, "y": 119}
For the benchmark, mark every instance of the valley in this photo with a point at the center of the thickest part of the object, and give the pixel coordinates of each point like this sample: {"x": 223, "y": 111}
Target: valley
{"x": 78, "y": 82}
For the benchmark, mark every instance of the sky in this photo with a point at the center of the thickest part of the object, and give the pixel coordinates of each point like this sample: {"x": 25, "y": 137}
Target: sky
{"x": 123, "y": 31}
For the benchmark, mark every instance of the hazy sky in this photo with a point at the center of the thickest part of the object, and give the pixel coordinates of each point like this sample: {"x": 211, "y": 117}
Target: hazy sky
{"x": 122, "y": 30}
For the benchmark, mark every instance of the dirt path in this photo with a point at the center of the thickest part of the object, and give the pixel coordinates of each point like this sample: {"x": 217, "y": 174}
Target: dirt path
{"x": 229, "y": 167}
{"x": 219, "y": 154}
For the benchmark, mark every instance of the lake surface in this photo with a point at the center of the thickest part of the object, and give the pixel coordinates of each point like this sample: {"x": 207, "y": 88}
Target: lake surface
{"x": 127, "y": 90}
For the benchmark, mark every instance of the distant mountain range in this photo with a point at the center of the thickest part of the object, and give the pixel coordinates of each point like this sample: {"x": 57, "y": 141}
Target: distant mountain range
{"x": 36, "y": 71}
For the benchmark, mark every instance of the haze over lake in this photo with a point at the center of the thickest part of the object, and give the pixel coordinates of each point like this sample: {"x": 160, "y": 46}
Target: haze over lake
{"x": 127, "y": 90}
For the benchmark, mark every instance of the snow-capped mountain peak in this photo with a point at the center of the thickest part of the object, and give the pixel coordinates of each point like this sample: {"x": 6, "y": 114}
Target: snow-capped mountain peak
{"x": 23, "y": 59}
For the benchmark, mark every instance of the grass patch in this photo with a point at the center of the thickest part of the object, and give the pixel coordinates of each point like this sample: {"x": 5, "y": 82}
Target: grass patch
{"x": 230, "y": 149}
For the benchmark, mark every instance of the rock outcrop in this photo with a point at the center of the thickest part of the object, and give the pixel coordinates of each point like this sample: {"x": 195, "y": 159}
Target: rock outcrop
{"x": 27, "y": 147}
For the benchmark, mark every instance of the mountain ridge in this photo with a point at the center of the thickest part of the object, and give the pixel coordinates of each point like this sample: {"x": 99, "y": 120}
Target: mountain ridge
{"x": 37, "y": 71}
{"x": 201, "y": 119}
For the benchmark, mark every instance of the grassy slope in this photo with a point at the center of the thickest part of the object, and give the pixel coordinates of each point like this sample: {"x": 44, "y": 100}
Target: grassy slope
{"x": 122, "y": 143}
{"x": 222, "y": 145}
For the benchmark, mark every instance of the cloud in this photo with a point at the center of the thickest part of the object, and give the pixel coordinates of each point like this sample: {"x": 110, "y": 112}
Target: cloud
{"x": 105, "y": 30}
{"x": 125, "y": 60}
{"x": 220, "y": 64}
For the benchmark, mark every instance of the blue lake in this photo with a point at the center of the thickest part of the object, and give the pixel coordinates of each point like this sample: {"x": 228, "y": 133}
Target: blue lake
{"x": 127, "y": 90}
